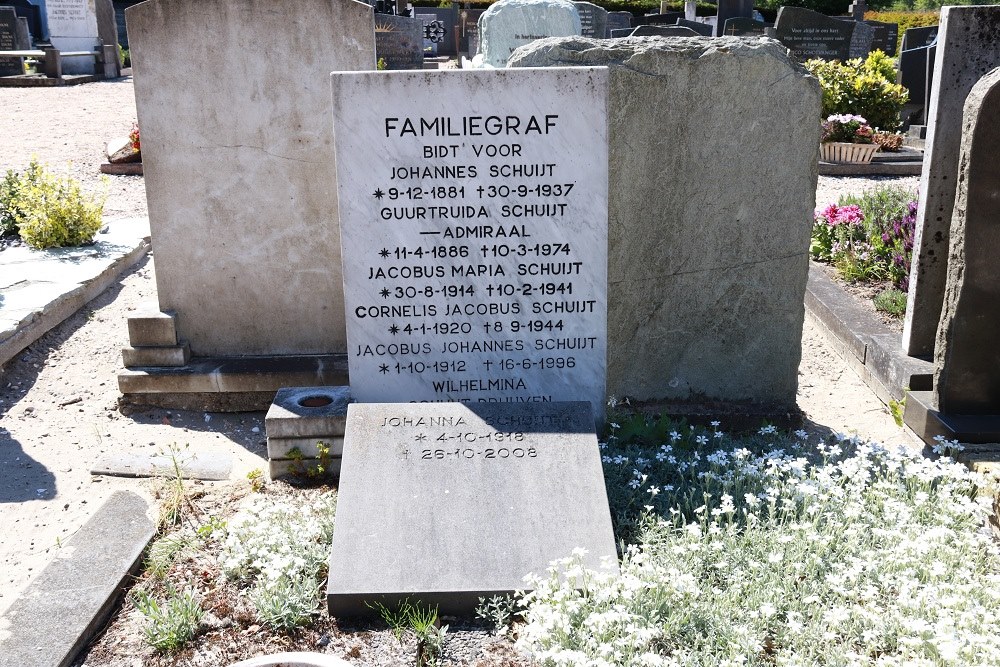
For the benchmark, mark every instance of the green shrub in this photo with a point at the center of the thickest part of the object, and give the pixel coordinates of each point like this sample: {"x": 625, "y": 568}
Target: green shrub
{"x": 48, "y": 211}
{"x": 865, "y": 87}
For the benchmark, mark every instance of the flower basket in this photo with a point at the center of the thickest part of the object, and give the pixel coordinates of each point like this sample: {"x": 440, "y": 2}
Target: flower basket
{"x": 845, "y": 153}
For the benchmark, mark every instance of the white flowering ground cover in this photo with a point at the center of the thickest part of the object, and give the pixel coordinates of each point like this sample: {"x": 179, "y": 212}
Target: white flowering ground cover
{"x": 775, "y": 551}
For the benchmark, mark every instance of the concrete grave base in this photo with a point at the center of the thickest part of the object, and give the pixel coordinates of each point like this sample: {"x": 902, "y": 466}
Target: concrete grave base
{"x": 921, "y": 416}
{"x": 42, "y": 81}
{"x": 299, "y": 419}
{"x": 228, "y": 384}
{"x": 127, "y": 169}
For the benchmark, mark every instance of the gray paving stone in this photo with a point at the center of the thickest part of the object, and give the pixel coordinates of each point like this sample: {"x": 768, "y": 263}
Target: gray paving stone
{"x": 201, "y": 465}
{"x": 73, "y": 595}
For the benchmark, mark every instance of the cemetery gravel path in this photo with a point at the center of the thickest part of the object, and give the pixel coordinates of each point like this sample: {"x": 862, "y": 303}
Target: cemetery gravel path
{"x": 58, "y": 398}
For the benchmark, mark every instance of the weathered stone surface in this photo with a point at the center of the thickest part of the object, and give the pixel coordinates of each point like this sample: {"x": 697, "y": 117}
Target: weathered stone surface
{"x": 121, "y": 151}
{"x": 71, "y": 598}
{"x": 167, "y": 355}
{"x": 446, "y": 503}
{"x": 247, "y": 253}
{"x": 968, "y": 47}
{"x": 706, "y": 272}
{"x": 967, "y": 356}
{"x": 308, "y": 412}
{"x": 149, "y": 326}
{"x": 283, "y": 448}
{"x": 508, "y": 24}
{"x": 304, "y": 468}
{"x": 661, "y": 31}
{"x": 194, "y": 465}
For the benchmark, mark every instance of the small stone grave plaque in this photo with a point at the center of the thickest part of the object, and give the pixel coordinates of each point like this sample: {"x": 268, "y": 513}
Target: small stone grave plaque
{"x": 399, "y": 41}
{"x": 474, "y": 234}
{"x": 448, "y": 503}
{"x": 593, "y": 19}
{"x": 809, "y": 34}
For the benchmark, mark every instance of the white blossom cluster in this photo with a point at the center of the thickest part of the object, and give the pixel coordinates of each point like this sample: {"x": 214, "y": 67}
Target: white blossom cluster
{"x": 852, "y": 555}
{"x": 270, "y": 539}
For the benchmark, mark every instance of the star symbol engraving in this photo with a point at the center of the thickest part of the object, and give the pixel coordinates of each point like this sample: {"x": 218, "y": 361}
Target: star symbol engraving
{"x": 394, "y": 330}
{"x": 378, "y": 194}
{"x": 384, "y": 252}
{"x": 385, "y": 292}
{"x": 384, "y": 368}
{"x": 421, "y": 437}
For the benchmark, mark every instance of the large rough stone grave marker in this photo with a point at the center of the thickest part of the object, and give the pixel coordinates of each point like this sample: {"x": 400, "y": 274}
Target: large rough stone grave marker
{"x": 508, "y": 24}
{"x": 474, "y": 233}
{"x": 248, "y": 250}
{"x": 809, "y": 34}
{"x": 706, "y": 277}
{"x": 447, "y": 503}
{"x": 968, "y": 48}
{"x": 965, "y": 403}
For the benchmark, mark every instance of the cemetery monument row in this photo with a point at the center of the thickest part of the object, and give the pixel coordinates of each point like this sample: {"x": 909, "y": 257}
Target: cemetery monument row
{"x": 474, "y": 233}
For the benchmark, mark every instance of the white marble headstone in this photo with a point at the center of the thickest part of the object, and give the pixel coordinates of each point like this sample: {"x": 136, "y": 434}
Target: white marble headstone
{"x": 473, "y": 214}
{"x": 73, "y": 27}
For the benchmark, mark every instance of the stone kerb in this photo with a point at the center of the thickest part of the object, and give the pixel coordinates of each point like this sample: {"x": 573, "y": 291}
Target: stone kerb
{"x": 967, "y": 360}
{"x": 239, "y": 168}
{"x": 508, "y": 24}
{"x": 968, "y": 47}
{"x": 709, "y": 224}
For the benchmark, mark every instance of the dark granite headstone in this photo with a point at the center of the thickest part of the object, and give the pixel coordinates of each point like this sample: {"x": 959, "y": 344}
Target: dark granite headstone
{"x": 967, "y": 357}
{"x": 916, "y": 68}
{"x": 120, "y": 7}
{"x": 744, "y": 27}
{"x": 702, "y": 29}
{"x": 9, "y": 41}
{"x": 593, "y": 19}
{"x": 619, "y": 21}
{"x": 663, "y": 31}
{"x": 440, "y": 29}
{"x": 33, "y": 13}
{"x": 809, "y": 34}
{"x": 468, "y": 28}
{"x": 886, "y": 36}
{"x": 668, "y": 18}
{"x": 732, "y": 9}
{"x": 445, "y": 503}
{"x": 399, "y": 41}
{"x": 862, "y": 39}
{"x": 914, "y": 38}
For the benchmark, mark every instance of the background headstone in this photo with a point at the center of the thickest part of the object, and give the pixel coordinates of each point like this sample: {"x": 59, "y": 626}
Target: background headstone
{"x": 886, "y": 36}
{"x": 744, "y": 27}
{"x": 475, "y": 257}
{"x": 248, "y": 253}
{"x": 446, "y": 503}
{"x": 915, "y": 68}
{"x": 732, "y": 9}
{"x": 9, "y": 41}
{"x": 809, "y": 34}
{"x": 468, "y": 25}
{"x": 73, "y": 27}
{"x": 619, "y": 21}
{"x": 107, "y": 33}
{"x": 593, "y": 19}
{"x": 399, "y": 41}
{"x": 120, "y": 7}
{"x": 702, "y": 29}
{"x": 967, "y": 357}
{"x": 33, "y": 13}
{"x": 666, "y": 18}
{"x": 917, "y": 37}
{"x": 862, "y": 39}
{"x": 968, "y": 48}
{"x": 661, "y": 31}
{"x": 508, "y": 24}
{"x": 448, "y": 22}
{"x": 706, "y": 276}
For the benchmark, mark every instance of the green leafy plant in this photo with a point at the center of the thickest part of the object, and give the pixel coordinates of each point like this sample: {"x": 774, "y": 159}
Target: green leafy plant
{"x": 286, "y": 602}
{"x": 381, "y": 64}
{"x": 46, "y": 210}
{"x": 891, "y": 301}
{"x": 164, "y": 551}
{"x": 864, "y": 87}
{"x": 498, "y": 610}
{"x": 897, "y": 408}
{"x": 256, "y": 479}
{"x": 171, "y": 624}
{"x": 317, "y": 470}
{"x": 422, "y": 622}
